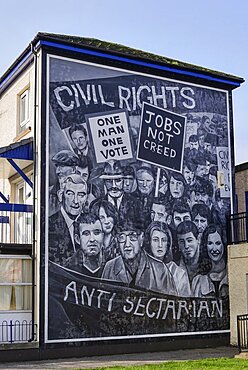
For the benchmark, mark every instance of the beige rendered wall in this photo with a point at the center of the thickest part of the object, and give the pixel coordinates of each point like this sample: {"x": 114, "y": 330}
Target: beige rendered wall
{"x": 9, "y": 108}
{"x": 241, "y": 186}
{"x": 9, "y": 134}
{"x": 238, "y": 287}
{"x": 9, "y": 116}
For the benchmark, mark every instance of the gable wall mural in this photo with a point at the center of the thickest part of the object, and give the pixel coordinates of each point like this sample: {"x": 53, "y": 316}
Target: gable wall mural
{"x": 138, "y": 188}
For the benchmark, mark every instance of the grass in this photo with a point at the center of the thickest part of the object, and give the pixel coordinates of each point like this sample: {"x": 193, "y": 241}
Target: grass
{"x": 206, "y": 364}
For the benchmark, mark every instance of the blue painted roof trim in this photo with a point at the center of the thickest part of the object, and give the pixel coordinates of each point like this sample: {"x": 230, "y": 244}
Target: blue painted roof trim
{"x": 137, "y": 62}
{"x": 13, "y": 71}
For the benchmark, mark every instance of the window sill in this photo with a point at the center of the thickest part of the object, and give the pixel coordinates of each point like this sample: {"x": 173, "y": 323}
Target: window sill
{"x": 22, "y": 134}
{"x": 15, "y": 311}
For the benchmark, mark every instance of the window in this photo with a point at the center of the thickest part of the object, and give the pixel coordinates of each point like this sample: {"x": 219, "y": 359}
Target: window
{"x": 15, "y": 283}
{"x": 23, "y": 109}
{"x": 23, "y": 220}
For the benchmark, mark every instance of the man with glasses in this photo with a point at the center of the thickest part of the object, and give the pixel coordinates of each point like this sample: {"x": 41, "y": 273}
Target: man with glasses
{"x": 134, "y": 266}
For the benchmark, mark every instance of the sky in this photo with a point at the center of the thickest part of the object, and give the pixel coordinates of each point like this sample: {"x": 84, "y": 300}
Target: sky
{"x": 211, "y": 33}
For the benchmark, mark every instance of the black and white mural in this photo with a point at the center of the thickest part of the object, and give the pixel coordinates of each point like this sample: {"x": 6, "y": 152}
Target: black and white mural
{"x": 138, "y": 191}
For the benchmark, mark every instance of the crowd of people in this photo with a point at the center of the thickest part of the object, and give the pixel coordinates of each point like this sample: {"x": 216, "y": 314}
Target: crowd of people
{"x": 112, "y": 222}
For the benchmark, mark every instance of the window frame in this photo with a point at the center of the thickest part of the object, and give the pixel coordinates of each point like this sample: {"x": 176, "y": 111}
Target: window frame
{"x": 17, "y": 284}
{"x": 24, "y": 97}
{"x": 16, "y": 185}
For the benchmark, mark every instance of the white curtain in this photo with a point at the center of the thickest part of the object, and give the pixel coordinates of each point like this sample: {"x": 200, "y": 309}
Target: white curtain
{"x": 15, "y": 271}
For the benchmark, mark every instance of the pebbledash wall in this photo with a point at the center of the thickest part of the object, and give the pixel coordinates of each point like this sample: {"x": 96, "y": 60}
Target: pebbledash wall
{"x": 241, "y": 187}
{"x": 238, "y": 257}
{"x": 168, "y": 127}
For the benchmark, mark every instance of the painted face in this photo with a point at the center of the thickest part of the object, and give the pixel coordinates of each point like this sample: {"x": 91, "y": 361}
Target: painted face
{"x": 159, "y": 244}
{"x": 194, "y": 145}
{"x": 188, "y": 175}
{"x": 208, "y": 164}
{"x": 130, "y": 243}
{"x": 91, "y": 237}
{"x": 180, "y": 217}
{"x": 114, "y": 187}
{"x": 215, "y": 247}
{"x": 176, "y": 188}
{"x": 145, "y": 182}
{"x": 201, "y": 170}
{"x": 83, "y": 172}
{"x": 208, "y": 147}
{"x": 79, "y": 139}
{"x": 189, "y": 247}
{"x": 207, "y": 122}
{"x": 63, "y": 171}
{"x": 106, "y": 221}
{"x": 158, "y": 213}
{"x": 73, "y": 198}
{"x": 201, "y": 223}
{"x": 201, "y": 141}
{"x": 128, "y": 184}
{"x": 202, "y": 198}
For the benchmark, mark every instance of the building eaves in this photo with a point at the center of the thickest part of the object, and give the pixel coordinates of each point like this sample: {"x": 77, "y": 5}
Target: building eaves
{"x": 111, "y": 48}
{"x": 241, "y": 167}
{"x": 119, "y": 49}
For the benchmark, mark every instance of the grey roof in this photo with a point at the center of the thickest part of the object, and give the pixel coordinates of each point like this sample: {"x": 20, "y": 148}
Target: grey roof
{"x": 121, "y": 50}
{"x": 241, "y": 167}
{"x": 130, "y": 52}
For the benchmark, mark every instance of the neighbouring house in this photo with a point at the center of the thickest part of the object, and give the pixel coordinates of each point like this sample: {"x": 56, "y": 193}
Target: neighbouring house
{"x": 238, "y": 260}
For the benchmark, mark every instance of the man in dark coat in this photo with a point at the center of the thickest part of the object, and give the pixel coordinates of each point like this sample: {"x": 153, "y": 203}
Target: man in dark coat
{"x": 79, "y": 137}
{"x": 72, "y": 197}
{"x": 134, "y": 266}
{"x": 88, "y": 260}
{"x": 145, "y": 192}
{"x": 125, "y": 204}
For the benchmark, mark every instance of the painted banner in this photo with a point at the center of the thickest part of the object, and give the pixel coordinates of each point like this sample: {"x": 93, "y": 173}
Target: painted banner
{"x": 135, "y": 216}
{"x": 91, "y": 308}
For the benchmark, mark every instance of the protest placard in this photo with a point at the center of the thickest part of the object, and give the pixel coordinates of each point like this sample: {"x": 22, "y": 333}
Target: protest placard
{"x": 161, "y": 139}
{"x": 110, "y": 135}
{"x": 223, "y": 167}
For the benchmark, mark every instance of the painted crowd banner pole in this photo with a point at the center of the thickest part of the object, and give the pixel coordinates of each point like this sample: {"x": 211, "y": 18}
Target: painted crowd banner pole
{"x": 157, "y": 182}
